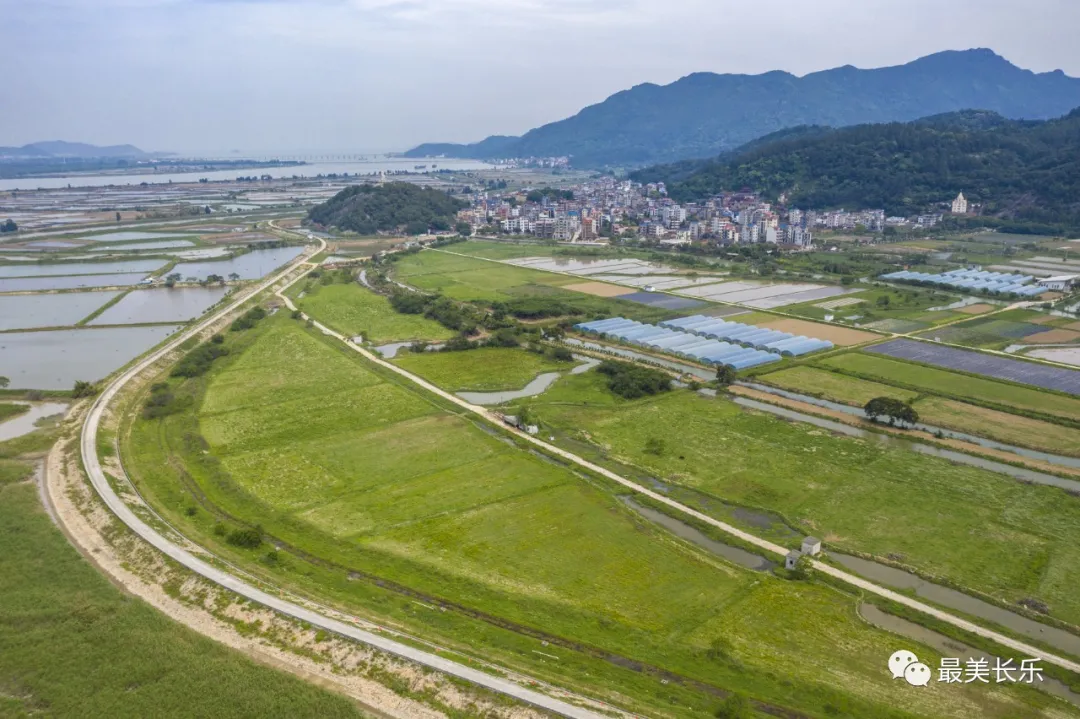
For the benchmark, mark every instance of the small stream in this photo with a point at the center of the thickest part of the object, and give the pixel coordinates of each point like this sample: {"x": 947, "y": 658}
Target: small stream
{"x": 1025, "y": 475}
{"x": 537, "y": 386}
{"x": 949, "y": 647}
{"x": 953, "y": 599}
{"x": 27, "y": 422}
{"x": 683, "y": 530}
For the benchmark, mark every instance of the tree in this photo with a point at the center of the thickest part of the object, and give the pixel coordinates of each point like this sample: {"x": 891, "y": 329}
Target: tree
{"x": 233, "y": 276}
{"x": 735, "y": 706}
{"x": 8, "y": 226}
{"x": 4, "y": 382}
{"x": 725, "y": 375}
{"x": 83, "y": 389}
{"x": 118, "y": 217}
{"x": 463, "y": 228}
{"x": 892, "y": 409}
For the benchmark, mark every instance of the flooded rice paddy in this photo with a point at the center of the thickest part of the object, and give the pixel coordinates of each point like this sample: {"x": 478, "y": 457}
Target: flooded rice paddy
{"x": 178, "y": 304}
{"x": 79, "y": 268}
{"x": 37, "y": 284}
{"x": 23, "y": 312}
{"x": 55, "y": 359}
{"x": 250, "y": 266}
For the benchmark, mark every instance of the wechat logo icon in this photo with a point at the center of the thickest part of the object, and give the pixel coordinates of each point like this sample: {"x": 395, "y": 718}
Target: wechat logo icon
{"x": 906, "y": 665}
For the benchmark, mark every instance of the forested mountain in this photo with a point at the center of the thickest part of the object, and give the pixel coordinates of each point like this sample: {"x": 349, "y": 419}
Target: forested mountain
{"x": 705, "y": 114}
{"x": 1023, "y": 170}
{"x": 390, "y": 207}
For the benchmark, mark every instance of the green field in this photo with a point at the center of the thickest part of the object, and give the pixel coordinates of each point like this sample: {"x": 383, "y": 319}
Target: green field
{"x": 853, "y": 493}
{"x": 1000, "y": 330}
{"x": 908, "y": 304}
{"x": 72, "y": 645}
{"x": 347, "y": 464}
{"x": 468, "y": 279}
{"x": 954, "y": 384}
{"x": 353, "y": 310}
{"x": 1001, "y": 426}
{"x": 464, "y": 278}
{"x": 9, "y": 410}
{"x": 829, "y": 385}
{"x": 484, "y": 369}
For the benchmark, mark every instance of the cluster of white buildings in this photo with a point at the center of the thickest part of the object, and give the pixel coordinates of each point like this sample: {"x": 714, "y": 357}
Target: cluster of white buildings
{"x": 608, "y": 207}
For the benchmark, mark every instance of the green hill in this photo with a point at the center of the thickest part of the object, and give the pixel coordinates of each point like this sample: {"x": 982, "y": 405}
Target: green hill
{"x": 1018, "y": 170}
{"x": 390, "y": 207}
{"x": 704, "y": 114}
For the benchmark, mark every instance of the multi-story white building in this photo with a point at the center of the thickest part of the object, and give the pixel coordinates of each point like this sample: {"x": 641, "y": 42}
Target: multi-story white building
{"x": 960, "y": 205}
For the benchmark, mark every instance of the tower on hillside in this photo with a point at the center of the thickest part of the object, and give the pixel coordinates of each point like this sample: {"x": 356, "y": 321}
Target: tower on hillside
{"x": 960, "y": 205}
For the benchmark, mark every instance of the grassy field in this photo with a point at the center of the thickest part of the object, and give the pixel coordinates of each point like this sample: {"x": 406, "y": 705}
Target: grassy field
{"x": 1000, "y": 426}
{"x": 884, "y": 303}
{"x": 353, "y": 310}
{"x": 1003, "y": 329}
{"x": 484, "y": 369}
{"x": 365, "y": 474}
{"x": 464, "y": 278}
{"x": 953, "y": 384}
{"x": 72, "y": 645}
{"x": 9, "y": 410}
{"x": 830, "y": 385}
{"x": 854, "y": 493}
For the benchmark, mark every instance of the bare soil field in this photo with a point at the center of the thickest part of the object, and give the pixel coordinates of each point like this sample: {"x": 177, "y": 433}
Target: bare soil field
{"x": 840, "y": 336}
{"x": 976, "y": 309}
{"x": 599, "y": 289}
{"x": 1053, "y": 337}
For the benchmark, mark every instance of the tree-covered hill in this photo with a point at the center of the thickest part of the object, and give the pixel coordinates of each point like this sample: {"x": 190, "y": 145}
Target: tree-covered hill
{"x": 390, "y": 207}
{"x": 1020, "y": 170}
{"x": 704, "y": 114}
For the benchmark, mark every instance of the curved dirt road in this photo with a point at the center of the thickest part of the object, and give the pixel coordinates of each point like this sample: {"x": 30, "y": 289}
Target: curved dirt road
{"x": 88, "y": 445}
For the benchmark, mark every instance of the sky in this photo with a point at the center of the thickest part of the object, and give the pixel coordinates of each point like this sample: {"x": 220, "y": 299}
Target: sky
{"x": 277, "y": 76}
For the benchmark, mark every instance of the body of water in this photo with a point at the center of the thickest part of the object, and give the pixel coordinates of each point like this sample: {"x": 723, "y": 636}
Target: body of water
{"x": 943, "y": 596}
{"x": 250, "y": 266}
{"x": 312, "y": 170}
{"x": 135, "y": 246}
{"x": 537, "y": 386}
{"x": 24, "y": 312}
{"x": 178, "y": 304}
{"x": 54, "y": 360}
{"x": 130, "y": 235}
{"x": 37, "y": 284}
{"x": 949, "y": 647}
{"x": 681, "y": 529}
{"x": 27, "y": 422}
{"x": 79, "y": 268}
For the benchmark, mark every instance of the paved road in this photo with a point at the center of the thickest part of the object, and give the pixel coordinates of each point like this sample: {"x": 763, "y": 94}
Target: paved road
{"x": 88, "y": 443}
{"x": 851, "y": 579}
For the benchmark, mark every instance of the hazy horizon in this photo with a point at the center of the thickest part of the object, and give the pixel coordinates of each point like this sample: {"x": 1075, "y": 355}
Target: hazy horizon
{"x": 264, "y": 77}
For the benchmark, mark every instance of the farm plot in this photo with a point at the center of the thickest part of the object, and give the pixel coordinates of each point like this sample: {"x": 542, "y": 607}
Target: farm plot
{"x": 836, "y": 387}
{"x": 354, "y": 310}
{"x": 1062, "y": 380}
{"x": 427, "y": 501}
{"x": 484, "y": 369}
{"x": 1000, "y": 426}
{"x": 856, "y": 494}
{"x": 950, "y": 384}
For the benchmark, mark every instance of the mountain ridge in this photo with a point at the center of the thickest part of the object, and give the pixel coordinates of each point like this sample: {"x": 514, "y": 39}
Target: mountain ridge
{"x": 704, "y": 114}
{"x": 62, "y": 148}
{"x": 1017, "y": 170}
